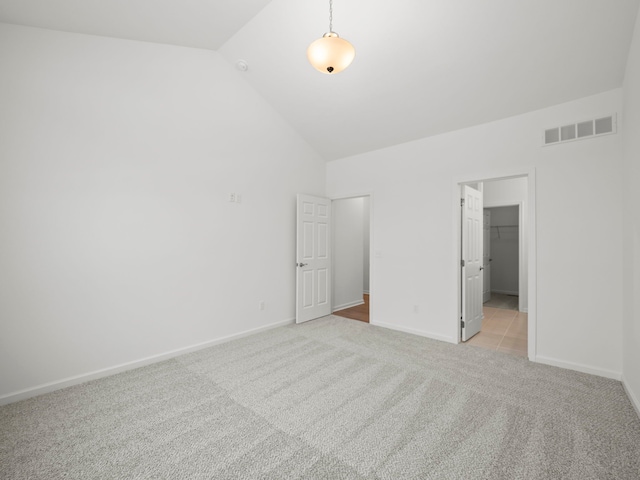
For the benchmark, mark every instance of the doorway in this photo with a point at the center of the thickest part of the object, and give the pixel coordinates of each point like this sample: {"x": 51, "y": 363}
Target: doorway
{"x": 511, "y": 199}
{"x": 504, "y": 326}
{"x": 502, "y": 248}
{"x": 351, "y": 257}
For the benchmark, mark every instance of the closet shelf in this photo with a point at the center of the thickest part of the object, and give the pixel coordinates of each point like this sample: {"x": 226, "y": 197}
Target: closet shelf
{"x": 498, "y": 227}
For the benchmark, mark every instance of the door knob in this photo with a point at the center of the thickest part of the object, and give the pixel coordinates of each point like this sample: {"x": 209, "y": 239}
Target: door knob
{"x": 302, "y": 264}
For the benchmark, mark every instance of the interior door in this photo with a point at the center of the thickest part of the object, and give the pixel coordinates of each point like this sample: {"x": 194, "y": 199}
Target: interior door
{"x": 313, "y": 252}
{"x": 472, "y": 232}
{"x": 486, "y": 257}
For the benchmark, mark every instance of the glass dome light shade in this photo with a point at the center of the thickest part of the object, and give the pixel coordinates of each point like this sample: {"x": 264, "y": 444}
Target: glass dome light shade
{"x": 330, "y": 54}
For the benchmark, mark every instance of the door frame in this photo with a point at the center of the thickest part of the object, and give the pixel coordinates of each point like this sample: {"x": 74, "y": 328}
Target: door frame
{"x": 521, "y": 253}
{"x": 530, "y": 204}
{"x": 486, "y": 248}
{"x": 371, "y": 249}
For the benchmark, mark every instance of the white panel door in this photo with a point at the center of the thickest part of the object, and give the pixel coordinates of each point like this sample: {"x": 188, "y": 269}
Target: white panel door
{"x": 313, "y": 264}
{"x": 486, "y": 257}
{"x": 472, "y": 232}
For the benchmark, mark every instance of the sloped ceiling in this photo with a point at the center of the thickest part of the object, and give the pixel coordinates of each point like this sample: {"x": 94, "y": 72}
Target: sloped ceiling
{"x": 189, "y": 23}
{"x": 422, "y": 67}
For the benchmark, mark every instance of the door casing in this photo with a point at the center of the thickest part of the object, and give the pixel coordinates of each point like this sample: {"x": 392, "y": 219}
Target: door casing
{"x": 486, "y": 254}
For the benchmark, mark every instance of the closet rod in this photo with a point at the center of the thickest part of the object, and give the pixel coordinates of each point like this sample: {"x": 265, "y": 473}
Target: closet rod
{"x": 498, "y": 227}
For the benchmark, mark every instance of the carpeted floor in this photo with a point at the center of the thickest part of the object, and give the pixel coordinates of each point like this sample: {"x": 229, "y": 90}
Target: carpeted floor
{"x": 329, "y": 399}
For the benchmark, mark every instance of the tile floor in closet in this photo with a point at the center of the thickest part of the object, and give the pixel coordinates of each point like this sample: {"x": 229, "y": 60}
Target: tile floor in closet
{"x": 502, "y": 330}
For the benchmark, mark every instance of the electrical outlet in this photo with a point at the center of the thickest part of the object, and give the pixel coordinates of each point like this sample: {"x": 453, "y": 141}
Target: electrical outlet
{"x": 261, "y": 304}
{"x": 416, "y": 309}
{"x": 238, "y": 198}
{"x": 232, "y": 197}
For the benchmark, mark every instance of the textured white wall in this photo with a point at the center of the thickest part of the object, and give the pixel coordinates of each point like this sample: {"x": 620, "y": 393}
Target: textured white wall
{"x": 631, "y": 244}
{"x": 501, "y": 192}
{"x": 348, "y": 246}
{"x": 117, "y": 241}
{"x": 579, "y": 293}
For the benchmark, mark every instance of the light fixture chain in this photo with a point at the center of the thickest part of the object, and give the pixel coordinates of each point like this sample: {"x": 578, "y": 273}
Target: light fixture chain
{"x": 330, "y": 15}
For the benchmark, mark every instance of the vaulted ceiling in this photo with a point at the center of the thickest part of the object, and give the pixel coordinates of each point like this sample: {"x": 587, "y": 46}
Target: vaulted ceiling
{"x": 422, "y": 67}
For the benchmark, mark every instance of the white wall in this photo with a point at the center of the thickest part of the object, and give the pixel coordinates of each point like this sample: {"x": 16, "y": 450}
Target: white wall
{"x": 579, "y": 312}
{"x": 505, "y": 191}
{"x": 509, "y": 192}
{"x": 348, "y": 246}
{"x": 504, "y": 248}
{"x": 117, "y": 241}
{"x": 631, "y": 244}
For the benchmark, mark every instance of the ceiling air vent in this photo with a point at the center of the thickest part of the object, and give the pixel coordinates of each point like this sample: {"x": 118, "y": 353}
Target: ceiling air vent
{"x": 581, "y": 130}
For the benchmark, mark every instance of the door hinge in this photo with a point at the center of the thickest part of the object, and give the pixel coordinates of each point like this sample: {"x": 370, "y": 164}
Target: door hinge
{"x": 462, "y": 202}
{"x": 462, "y": 323}
{"x": 462, "y": 263}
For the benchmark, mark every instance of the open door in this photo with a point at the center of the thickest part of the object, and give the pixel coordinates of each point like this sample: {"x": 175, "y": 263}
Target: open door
{"x": 472, "y": 253}
{"x": 313, "y": 252}
{"x": 486, "y": 257}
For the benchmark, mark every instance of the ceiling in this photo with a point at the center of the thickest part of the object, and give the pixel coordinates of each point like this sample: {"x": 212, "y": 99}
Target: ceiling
{"x": 190, "y": 23}
{"x": 422, "y": 67}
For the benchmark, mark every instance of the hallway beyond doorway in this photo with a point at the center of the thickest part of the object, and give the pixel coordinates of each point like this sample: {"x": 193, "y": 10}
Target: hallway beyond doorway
{"x": 359, "y": 312}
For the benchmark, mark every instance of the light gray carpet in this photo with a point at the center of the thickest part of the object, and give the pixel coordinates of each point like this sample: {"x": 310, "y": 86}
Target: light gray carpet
{"x": 329, "y": 399}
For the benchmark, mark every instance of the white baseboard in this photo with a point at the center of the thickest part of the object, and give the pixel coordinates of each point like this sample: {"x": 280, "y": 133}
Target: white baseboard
{"x": 105, "y": 372}
{"x": 347, "y": 305}
{"x": 366, "y": 292}
{"x": 505, "y": 292}
{"x": 433, "y": 336}
{"x": 634, "y": 400}
{"x": 578, "y": 367}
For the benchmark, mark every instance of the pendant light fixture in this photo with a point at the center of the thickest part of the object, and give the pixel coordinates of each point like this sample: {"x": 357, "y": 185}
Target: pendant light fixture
{"x": 330, "y": 54}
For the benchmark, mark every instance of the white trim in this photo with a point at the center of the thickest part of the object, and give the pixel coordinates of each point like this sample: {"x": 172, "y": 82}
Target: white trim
{"x": 511, "y": 203}
{"x": 105, "y": 372}
{"x": 504, "y": 292}
{"x": 433, "y": 336}
{"x": 634, "y": 400}
{"x": 337, "y": 308}
{"x": 579, "y": 367}
{"x": 523, "y": 266}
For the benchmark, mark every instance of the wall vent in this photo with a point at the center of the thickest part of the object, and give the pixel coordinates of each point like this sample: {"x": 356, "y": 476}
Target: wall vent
{"x": 581, "y": 130}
